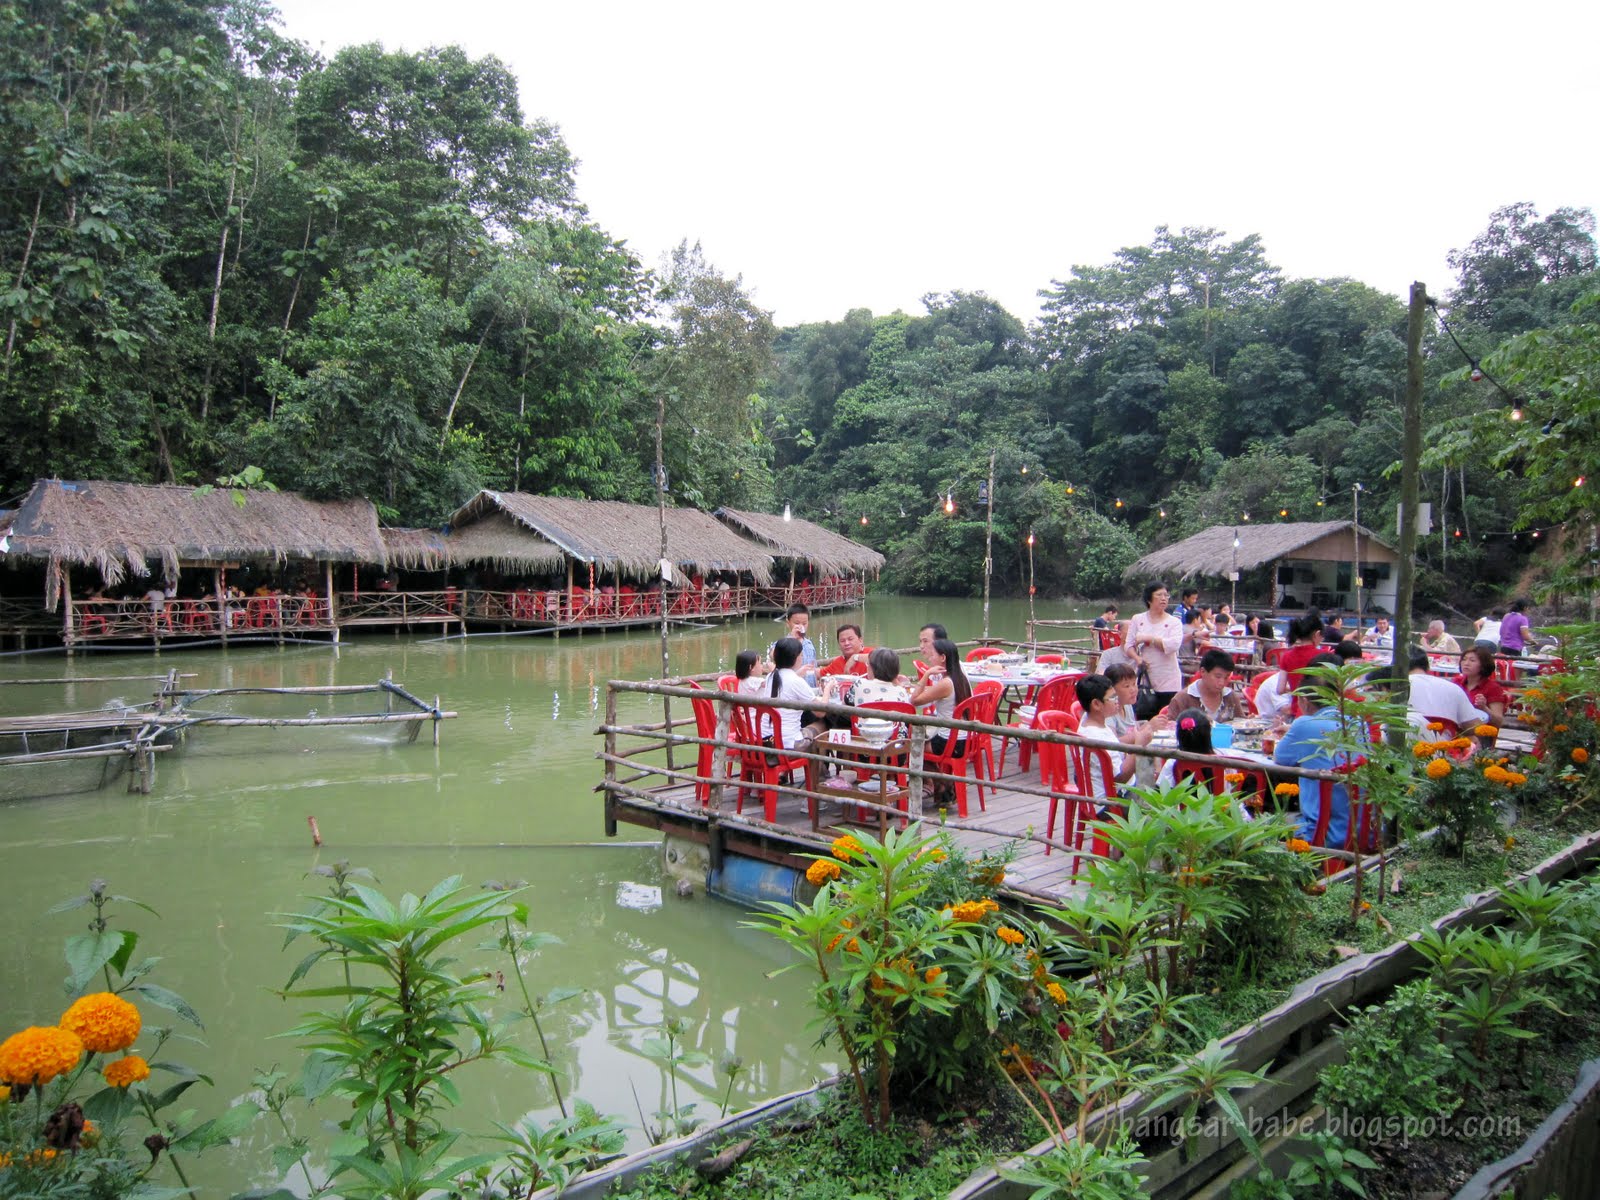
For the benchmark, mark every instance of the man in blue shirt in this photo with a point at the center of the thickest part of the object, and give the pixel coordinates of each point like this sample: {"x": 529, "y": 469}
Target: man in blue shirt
{"x": 1303, "y": 745}
{"x": 1189, "y": 599}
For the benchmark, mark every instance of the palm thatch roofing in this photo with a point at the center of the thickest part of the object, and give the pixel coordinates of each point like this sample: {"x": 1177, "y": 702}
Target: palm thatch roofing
{"x": 414, "y": 549}
{"x": 495, "y": 540}
{"x": 118, "y": 528}
{"x": 624, "y": 537}
{"x": 1210, "y": 553}
{"x": 828, "y": 553}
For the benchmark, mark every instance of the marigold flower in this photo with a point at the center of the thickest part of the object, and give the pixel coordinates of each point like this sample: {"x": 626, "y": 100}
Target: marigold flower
{"x": 1422, "y": 749}
{"x": 931, "y": 974}
{"x": 1438, "y": 768}
{"x": 821, "y": 871}
{"x": 1056, "y": 992}
{"x": 1487, "y": 731}
{"x": 989, "y": 905}
{"x": 1010, "y": 936}
{"x": 103, "y": 1021}
{"x": 932, "y": 853}
{"x": 969, "y": 910}
{"x": 5, "y": 1093}
{"x": 1233, "y": 777}
{"x": 831, "y": 946}
{"x": 1461, "y": 743}
{"x": 1299, "y": 845}
{"x": 38, "y": 1054}
{"x": 1286, "y": 789}
{"x": 1511, "y": 843}
{"x": 1559, "y": 728}
{"x": 130, "y": 1069}
{"x": 1533, "y": 694}
{"x": 1580, "y": 755}
{"x": 846, "y": 846}
{"x": 853, "y": 946}
{"x": 1436, "y": 726}
{"x": 1495, "y": 773}
{"x": 1515, "y": 778}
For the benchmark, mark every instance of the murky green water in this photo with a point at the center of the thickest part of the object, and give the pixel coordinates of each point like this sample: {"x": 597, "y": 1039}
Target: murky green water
{"x": 222, "y": 843}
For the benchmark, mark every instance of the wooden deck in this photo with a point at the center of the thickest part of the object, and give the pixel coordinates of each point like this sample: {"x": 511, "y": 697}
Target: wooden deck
{"x": 1006, "y": 818}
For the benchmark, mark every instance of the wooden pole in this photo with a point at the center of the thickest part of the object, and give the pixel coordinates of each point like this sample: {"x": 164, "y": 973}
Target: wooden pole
{"x": 221, "y": 589}
{"x": 1410, "y": 457}
{"x": 988, "y": 547}
{"x": 64, "y": 582}
{"x": 436, "y": 722}
{"x": 333, "y": 605}
{"x": 661, "y": 520}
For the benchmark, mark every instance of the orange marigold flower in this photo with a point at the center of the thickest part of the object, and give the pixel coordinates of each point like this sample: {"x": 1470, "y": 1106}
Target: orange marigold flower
{"x": 831, "y": 946}
{"x": 846, "y": 846}
{"x": 1010, "y": 936}
{"x": 1366, "y": 906}
{"x": 933, "y": 853}
{"x": 1460, "y": 743}
{"x": 969, "y": 910}
{"x": 1435, "y": 726}
{"x": 1286, "y": 789}
{"x": 38, "y": 1054}
{"x": 1511, "y": 843}
{"x": 1057, "y": 992}
{"x": 1533, "y": 694}
{"x": 1487, "y": 731}
{"x": 1559, "y": 728}
{"x": 989, "y": 905}
{"x": 1299, "y": 845}
{"x": 5, "y": 1093}
{"x": 103, "y": 1021}
{"x": 1233, "y": 777}
{"x": 1438, "y": 768}
{"x": 853, "y": 946}
{"x": 821, "y": 871}
{"x": 931, "y": 974}
{"x": 131, "y": 1069}
{"x": 1422, "y": 749}
{"x": 1515, "y": 778}
{"x": 1580, "y": 755}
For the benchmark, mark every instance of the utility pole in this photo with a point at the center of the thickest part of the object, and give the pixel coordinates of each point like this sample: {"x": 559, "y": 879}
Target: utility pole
{"x": 988, "y": 547}
{"x": 1410, "y": 456}
{"x": 661, "y": 518}
{"x": 1355, "y": 531}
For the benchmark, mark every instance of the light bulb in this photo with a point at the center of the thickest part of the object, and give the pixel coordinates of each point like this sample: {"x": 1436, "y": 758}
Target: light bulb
{"x": 1283, "y": 512}
{"x": 1162, "y": 514}
{"x": 1119, "y": 502}
{"x": 1069, "y": 489}
{"x": 949, "y": 503}
{"x": 1319, "y": 503}
{"x": 1578, "y": 482}
{"x": 1247, "y": 516}
{"x": 787, "y": 515}
{"x": 1516, "y": 412}
{"x": 1030, "y": 537}
{"x": 863, "y": 518}
{"x": 1024, "y": 468}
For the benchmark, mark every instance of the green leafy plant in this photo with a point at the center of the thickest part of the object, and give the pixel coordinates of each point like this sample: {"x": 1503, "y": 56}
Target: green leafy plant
{"x": 1397, "y": 1066}
{"x": 1459, "y": 795}
{"x": 407, "y": 1023}
{"x": 1327, "y": 1171}
{"x": 675, "y": 1119}
{"x": 66, "y": 1119}
{"x": 552, "y": 1155}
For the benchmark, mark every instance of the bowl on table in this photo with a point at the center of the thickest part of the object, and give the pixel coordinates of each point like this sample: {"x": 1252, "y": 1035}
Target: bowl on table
{"x": 875, "y": 731}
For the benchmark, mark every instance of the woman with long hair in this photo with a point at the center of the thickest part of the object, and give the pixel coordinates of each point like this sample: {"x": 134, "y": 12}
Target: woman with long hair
{"x": 944, "y": 687}
{"x": 788, "y": 684}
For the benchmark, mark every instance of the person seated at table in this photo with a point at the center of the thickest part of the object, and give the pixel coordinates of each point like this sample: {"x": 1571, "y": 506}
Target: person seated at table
{"x": 1107, "y": 618}
{"x": 1379, "y": 635}
{"x": 800, "y": 728}
{"x": 1193, "y": 730}
{"x": 1433, "y": 698}
{"x": 751, "y": 671}
{"x": 1304, "y": 745}
{"x": 1099, "y": 701}
{"x": 1437, "y": 641}
{"x": 1271, "y": 703}
{"x": 852, "y": 656}
{"x": 1123, "y": 721}
{"x": 1305, "y": 643}
{"x": 926, "y": 637}
{"x": 1194, "y": 632}
{"x": 1223, "y": 619}
{"x": 1258, "y": 627}
{"x": 883, "y": 680}
{"x": 1114, "y": 655}
{"x": 1211, "y": 691}
{"x": 157, "y": 598}
{"x": 944, "y": 686}
{"x": 1478, "y": 682}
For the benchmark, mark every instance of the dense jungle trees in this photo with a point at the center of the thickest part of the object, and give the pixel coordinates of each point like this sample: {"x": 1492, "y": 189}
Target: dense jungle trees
{"x": 373, "y": 274}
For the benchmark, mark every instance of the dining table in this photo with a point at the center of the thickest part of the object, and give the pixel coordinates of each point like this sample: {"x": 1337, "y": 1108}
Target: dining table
{"x": 866, "y": 771}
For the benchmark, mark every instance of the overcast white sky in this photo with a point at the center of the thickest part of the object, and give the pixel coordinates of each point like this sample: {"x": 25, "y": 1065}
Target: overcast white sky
{"x": 846, "y": 155}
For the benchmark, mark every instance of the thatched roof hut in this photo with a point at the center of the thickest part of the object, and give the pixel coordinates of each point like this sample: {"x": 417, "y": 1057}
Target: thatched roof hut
{"x": 119, "y": 528}
{"x": 827, "y": 552}
{"x": 1211, "y": 553}
{"x": 414, "y": 549}
{"x": 496, "y": 540}
{"x": 615, "y": 536}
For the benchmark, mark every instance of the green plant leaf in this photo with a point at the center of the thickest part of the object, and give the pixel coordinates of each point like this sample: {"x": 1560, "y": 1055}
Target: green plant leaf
{"x": 169, "y": 999}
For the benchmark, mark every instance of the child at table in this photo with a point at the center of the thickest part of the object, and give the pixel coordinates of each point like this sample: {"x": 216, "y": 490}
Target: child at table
{"x": 1098, "y": 701}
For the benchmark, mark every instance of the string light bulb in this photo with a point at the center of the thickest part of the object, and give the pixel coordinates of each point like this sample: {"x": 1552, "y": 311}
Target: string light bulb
{"x": 1458, "y": 533}
{"x": 1477, "y": 373}
{"x": 1119, "y": 501}
{"x": 1578, "y": 482}
{"x": 1069, "y": 489}
{"x": 1247, "y": 516}
{"x": 1162, "y": 514}
{"x": 1319, "y": 503}
{"x": 1516, "y": 411}
{"x": 863, "y": 518}
{"x": 1024, "y": 468}
{"x": 1030, "y": 537}
{"x": 1283, "y": 512}
{"x": 949, "y": 503}
{"x": 787, "y": 515}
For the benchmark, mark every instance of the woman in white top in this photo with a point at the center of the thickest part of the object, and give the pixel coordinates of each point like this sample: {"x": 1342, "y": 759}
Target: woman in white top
{"x": 1152, "y": 642}
{"x": 944, "y": 687}
{"x": 883, "y": 683}
{"x": 788, "y": 684}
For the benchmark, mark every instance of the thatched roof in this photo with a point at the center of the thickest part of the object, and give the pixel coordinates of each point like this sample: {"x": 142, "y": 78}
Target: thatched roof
{"x": 495, "y": 540}
{"x": 414, "y": 549}
{"x": 117, "y": 528}
{"x": 614, "y": 535}
{"x": 1210, "y": 552}
{"x": 828, "y": 553}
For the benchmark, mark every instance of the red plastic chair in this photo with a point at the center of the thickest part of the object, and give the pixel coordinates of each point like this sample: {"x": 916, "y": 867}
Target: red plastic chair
{"x": 980, "y": 653}
{"x": 896, "y": 708}
{"x": 760, "y": 734}
{"x": 1107, "y": 638}
{"x": 705, "y": 726}
{"x": 963, "y": 751}
{"x": 1252, "y": 688}
{"x": 1505, "y": 669}
{"x": 1055, "y": 660}
{"x": 727, "y": 683}
{"x": 1055, "y": 769}
{"x": 1055, "y": 693}
{"x": 1086, "y": 762}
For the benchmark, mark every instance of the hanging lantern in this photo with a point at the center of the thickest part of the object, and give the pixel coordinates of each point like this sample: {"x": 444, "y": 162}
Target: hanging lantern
{"x": 863, "y": 518}
{"x": 983, "y": 492}
{"x": 787, "y": 515}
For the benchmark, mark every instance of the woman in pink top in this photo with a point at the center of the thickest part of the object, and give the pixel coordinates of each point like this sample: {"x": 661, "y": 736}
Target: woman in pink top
{"x": 1152, "y": 642}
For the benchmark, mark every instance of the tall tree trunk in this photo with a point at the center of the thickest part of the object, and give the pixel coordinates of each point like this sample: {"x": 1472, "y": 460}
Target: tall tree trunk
{"x": 216, "y": 293}
{"x": 22, "y": 272}
{"x": 461, "y": 387}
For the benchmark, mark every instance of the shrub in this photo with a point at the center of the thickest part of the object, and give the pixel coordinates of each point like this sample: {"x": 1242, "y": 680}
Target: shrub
{"x": 1397, "y": 1066}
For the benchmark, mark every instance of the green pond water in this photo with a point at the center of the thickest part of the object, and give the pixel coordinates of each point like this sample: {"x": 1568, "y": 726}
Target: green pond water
{"x": 222, "y": 844}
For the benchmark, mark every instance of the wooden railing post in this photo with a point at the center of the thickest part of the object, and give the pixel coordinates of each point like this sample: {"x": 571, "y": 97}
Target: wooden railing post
{"x": 611, "y": 765}
{"x": 723, "y": 759}
{"x": 919, "y": 736}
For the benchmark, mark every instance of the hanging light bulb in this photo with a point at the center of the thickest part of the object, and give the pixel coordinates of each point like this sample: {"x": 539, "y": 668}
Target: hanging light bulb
{"x": 1247, "y": 516}
{"x": 787, "y": 515}
{"x": 902, "y": 510}
{"x": 1236, "y": 541}
{"x": 1458, "y": 533}
{"x": 1516, "y": 411}
{"x": 1535, "y": 533}
{"x": 1477, "y": 373}
{"x": 1283, "y": 512}
{"x": 949, "y": 503}
{"x": 863, "y": 518}
{"x": 1024, "y": 468}
{"x": 1319, "y": 503}
{"x": 1578, "y": 482}
{"x": 1162, "y": 514}
{"x": 1069, "y": 489}
{"x": 1030, "y": 537}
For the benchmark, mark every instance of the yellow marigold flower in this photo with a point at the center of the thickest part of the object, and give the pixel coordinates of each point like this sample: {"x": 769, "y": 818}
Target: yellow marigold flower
{"x": 1461, "y": 743}
{"x": 1286, "y": 789}
{"x": 1515, "y": 778}
{"x": 1533, "y": 694}
{"x": 1010, "y": 936}
{"x": 821, "y": 871}
{"x": 1487, "y": 731}
{"x": 932, "y": 853}
{"x": 1580, "y": 755}
{"x": 846, "y": 846}
{"x": 1366, "y": 906}
{"x": 1559, "y": 728}
{"x": 1422, "y": 749}
{"x": 121, "y": 1072}
{"x": 38, "y": 1054}
{"x": 1299, "y": 845}
{"x": 968, "y": 910}
{"x": 989, "y": 905}
{"x": 103, "y": 1021}
{"x": 1233, "y": 777}
{"x": 1438, "y": 769}
{"x": 1435, "y": 726}
{"x": 848, "y": 923}
{"x": 1057, "y": 993}
{"x": 853, "y": 946}
{"x": 1511, "y": 843}
{"x": 833, "y": 945}
{"x": 931, "y": 974}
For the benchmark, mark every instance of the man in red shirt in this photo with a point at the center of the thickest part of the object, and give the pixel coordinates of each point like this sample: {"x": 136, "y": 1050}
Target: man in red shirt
{"x": 853, "y": 652}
